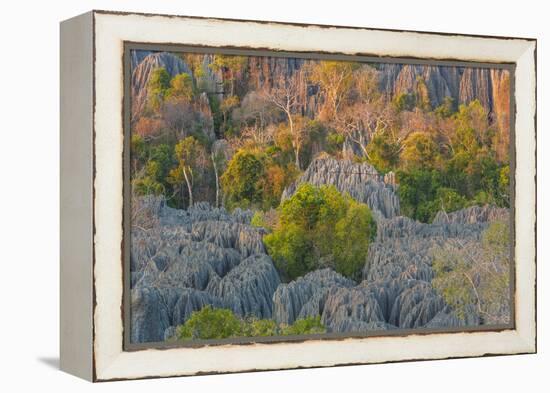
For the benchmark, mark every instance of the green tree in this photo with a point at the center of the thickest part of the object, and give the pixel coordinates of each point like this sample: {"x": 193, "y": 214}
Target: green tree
{"x": 447, "y": 107}
{"x": 473, "y": 175}
{"x": 226, "y": 106}
{"x": 287, "y": 96}
{"x": 230, "y": 66}
{"x": 404, "y": 102}
{"x": 148, "y": 183}
{"x": 455, "y": 174}
{"x": 152, "y": 179}
{"x": 241, "y": 180}
{"x": 471, "y": 129}
{"x": 417, "y": 189}
{"x": 335, "y": 142}
{"x": 256, "y": 178}
{"x": 189, "y": 154}
{"x": 138, "y": 152}
{"x": 351, "y": 248}
{"x": 445, "y": 200}
{"x": 158, "y": 84}
{"x": 383, "y": 153}
{"x": 181, "y": 88}
{"x": 448, "y": 200}
{"x": 422, "y": 95}
{"x": 504, "y": 186}
{"x": 335, "y": 79}
{"x": 316, "y": 228}
{"x": 420, "y": 151}
{"x": 292, "y": 249}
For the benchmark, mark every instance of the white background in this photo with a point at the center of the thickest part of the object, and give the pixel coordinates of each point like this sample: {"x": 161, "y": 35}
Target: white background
{"x": 29, "y": 196}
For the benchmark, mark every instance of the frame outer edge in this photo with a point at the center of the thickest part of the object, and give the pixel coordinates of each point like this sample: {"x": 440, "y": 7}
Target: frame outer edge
{"x": 526, "y": 341}
{"x": 76, "y": 238}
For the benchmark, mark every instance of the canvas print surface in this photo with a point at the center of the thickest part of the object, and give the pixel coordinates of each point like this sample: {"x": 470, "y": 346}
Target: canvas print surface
{"x": 281, "y": 197}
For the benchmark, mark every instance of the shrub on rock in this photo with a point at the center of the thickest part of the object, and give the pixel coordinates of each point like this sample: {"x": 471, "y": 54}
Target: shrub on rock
{"x": 319, "y": 227}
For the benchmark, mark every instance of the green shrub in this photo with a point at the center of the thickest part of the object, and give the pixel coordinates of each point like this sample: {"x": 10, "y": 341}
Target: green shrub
{"x": 219, "y": 323}
{"x": 210, "y": 323}
{"x": 319, "y": 227}
{"x": 260, "y": 328}
{"x": 309, "y": 325}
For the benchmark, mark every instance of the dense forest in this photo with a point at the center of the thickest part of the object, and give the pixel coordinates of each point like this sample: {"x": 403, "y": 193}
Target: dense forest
{"x": 245, "y": 134}
{"x": 231, "y": 145}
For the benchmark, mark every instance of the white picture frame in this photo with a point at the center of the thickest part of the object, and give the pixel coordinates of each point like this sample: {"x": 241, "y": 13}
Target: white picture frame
{"x": 92, "y": 285}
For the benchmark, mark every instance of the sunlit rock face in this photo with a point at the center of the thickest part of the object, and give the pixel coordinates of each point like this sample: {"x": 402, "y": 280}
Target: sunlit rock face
{"x": 463, "y": 85}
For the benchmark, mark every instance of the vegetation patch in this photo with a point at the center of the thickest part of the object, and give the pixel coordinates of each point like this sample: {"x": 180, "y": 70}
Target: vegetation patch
{"x": 319, "y": 227}
{"x": 218, "y": 323}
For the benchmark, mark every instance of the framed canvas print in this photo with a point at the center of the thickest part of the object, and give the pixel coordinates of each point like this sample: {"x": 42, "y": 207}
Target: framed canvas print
{"x": 245, "y": 195}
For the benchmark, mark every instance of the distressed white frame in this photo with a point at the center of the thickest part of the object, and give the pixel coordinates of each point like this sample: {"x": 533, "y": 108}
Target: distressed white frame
{"x": 111, "y": 30}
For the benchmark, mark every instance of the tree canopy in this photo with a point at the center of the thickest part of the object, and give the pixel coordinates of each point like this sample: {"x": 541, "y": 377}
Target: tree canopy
{"x": 444, "y": 158}
{"x": 319, "y": 227}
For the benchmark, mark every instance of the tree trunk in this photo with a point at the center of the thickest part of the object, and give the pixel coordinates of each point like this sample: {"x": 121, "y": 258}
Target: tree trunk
{"x": 295, "y": 145}
{"x": 217, "y": 180}
{"x": 297, "y": 154}
{"x": 189, "y": 187}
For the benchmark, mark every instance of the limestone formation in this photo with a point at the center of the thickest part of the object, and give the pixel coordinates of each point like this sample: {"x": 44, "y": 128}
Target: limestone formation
{"x": 472, "y": 215}
{"x": 476, "y": 84}
{"x": 361, "y": 181}
{"x": 305, "y": 296}
{"x": 462, "y": 84}
{"x": 248, "y": 288}
{"x": 185, "y": 260}
{"x": 345, "y": 307}
{"x": 490, "y": 86}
